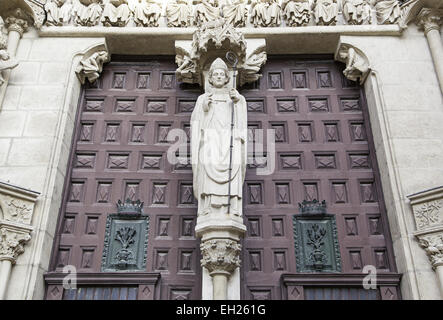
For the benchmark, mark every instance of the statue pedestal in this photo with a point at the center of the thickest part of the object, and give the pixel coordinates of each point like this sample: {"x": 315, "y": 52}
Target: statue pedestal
{"x": 221, "y": 255}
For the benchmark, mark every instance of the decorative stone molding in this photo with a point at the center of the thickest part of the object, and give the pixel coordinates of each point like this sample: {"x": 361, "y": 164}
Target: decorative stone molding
{"x": 16, "y": 210}
{"x": 357, "y": 64}
{"x": 91, "y": 65}
{"x": 430, "y": 19}
{"x": 220, "y": 256}
{"x": 213, "y": 40}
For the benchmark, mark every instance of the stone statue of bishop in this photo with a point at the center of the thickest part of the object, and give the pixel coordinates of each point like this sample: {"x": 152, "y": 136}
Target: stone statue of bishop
{"x": 210, "y": 144}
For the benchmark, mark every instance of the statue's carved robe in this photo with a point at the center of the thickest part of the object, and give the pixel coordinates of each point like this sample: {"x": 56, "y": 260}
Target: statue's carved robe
{"x": 210, "y": 142}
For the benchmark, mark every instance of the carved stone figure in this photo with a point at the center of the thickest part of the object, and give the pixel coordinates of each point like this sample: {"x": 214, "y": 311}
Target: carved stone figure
{"x": 204, "y": 11}
{"x": 116, "y": 13}
{"x": 357, "y": 67}
{"x": 58, "y": 12}
{"x": 252, "y": 66}
{"x": 433, "y": 246}
{"x": 90, "y": 68}
{"x": 146, "y": 13}
{"x": 357, "y": 11}
{"x": 178, "y": 13}
{"x": 325, "y": 12}
{"x": 296, "y": 12}
{"x": 388, "y": 11}
{"x": 6, "y": 62}
{"x": 210, "y": 144}
{"x": 235, "y": 13}
{"x": 87, "y": 12}
{"x": 265, "y": 13}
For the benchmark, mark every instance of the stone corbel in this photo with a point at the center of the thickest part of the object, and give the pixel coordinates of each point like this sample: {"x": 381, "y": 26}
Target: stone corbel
{"x": 213, "y": 39}
{"x": 91, "y": 65}
{"x": 357, "y": 64}
{"x": 427, "y": 207}
{"x": 16, "y": 211}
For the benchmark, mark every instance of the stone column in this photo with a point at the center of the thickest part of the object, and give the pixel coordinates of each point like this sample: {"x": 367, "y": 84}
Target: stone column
{"x": 17, "y": 25}
{"x": 431, "y": 20}
{"x": 428, "y": 214}
{"x": 16, "y": 210}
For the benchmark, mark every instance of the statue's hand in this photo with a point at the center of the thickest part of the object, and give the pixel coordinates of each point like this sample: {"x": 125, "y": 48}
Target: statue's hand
{"x": 207, "y": 102}
{"x": 235, "y": 96}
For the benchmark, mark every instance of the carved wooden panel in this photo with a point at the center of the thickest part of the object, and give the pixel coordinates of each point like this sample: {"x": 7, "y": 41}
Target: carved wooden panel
{"x": 120, "y": 152}
{"x": 323, "y": 151}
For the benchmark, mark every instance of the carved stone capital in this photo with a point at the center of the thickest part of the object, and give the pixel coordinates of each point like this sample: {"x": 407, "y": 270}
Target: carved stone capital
{"x": 18, "y": 20}
{"x": 432, "y": 243}
{"x": 357, "y": 65}
{"x": 91, "y": 65}
{"x": 220, "y": 256}
{"x": 211, "y": 40}
{"x": 16, "y": 204}
{"x": 12, "y": 241}
{"x": 430, "y": 19}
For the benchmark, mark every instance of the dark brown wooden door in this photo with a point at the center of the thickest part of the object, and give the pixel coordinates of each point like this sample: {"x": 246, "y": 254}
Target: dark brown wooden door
{"x": 120, "y": 152}
{"x": 324, "y": 151}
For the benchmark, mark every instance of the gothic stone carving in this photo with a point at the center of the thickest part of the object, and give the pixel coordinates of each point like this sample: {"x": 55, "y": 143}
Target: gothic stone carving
{"x": 430, "y": 19}
{"x": 88, "y": 12}
{"x": 388, "y": 11}
{"x": 265, "y": 13}
{"x": 6, "y": 62}
{"x": 58, "y": 12}
{"x": 357, "y": 65}
{"x": 16, "y": 210}
{"x": 220, "y": 256}
{"x": 210, "y": 145}
{"x": 204, "y": 11}
{"x": 37, "y": 11}
{"x": 178, "y": 13}
{"x": 296, "y": 12}
{"x": 146, "y": 13}
{"x": 12, "y": 242}
{"x": 357, "y": 11}
{"x": 326, "y": 12}
{"x": 433, "y": 246}
{"x": 235, "y": 13}
{"x": 91, "y": 66}
{"x": 18, "y": 20}
{"x": 214, "y": 39}
{"x": 116, "y": 13}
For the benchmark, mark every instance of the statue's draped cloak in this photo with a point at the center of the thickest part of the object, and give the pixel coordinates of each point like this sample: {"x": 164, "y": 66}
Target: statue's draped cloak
{"x": 210, "y": 142}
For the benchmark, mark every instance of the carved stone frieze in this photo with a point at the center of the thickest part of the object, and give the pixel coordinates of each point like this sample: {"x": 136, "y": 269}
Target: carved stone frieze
{"x": 116, "y": 13}
{"x": 296, "y": 12}
{"x": 146, "y": 13}
{"x": 236, "y": 13}
{"x": 265, "y": 13}
{"x": 91, "y": 66}
{"x": 220, "y": 255}
{"x": 357, "y": 65}
{"x": 178, "y": 13}
{"x": 204, "y": 11}
{"x": 430, "y": 19}
{"x": 326, "y": 12}
{"x": 388, "y": 11}
{"x": 58, "y": 12}
{"x": 213, "y": 39}
{"x": 87, "y": 13}
{"x": 357, "y": 11}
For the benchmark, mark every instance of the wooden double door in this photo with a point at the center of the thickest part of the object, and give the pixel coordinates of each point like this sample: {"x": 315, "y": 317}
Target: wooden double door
{"x": 323, "y": 151}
